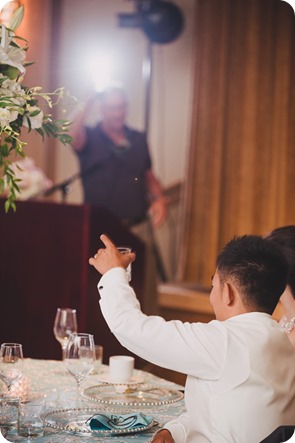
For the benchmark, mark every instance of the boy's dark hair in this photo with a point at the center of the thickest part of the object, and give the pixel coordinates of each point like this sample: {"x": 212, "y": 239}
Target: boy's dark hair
{"x": 284, "y": 238}
{"x": 257, "y": 268}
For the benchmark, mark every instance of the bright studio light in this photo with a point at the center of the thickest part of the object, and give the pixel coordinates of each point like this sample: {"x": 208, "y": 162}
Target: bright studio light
{"x": 101, "y": 70}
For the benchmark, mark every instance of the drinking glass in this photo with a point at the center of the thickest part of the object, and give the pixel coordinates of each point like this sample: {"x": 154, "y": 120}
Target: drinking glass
{"x": 65, "y": 324}
{"x": 126, "y": 250}
{"x": 98, "y": 359}
{"x": 30, "y": 423}
{"x": 11, "y": 363}
{"x": 80, "y": 358}
{"x": 8, "y": 413}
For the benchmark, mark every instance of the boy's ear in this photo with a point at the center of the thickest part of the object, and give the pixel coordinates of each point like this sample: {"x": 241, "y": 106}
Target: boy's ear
{"x": 229, "y": 294}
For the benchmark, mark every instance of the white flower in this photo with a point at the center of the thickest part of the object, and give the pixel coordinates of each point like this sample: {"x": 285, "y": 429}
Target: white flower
{"x": 13, "y": 116}
{"x": 11, "y": 85}
{"x": 7, "y": 115}
{"x": 35, "y": 120}
{"x": 33, "y": 179}
{"x": 4, "y": 117}
{"x": 18, "y": 101}
{"x": 14, "y": 106}
{"x": 11, "y": 55}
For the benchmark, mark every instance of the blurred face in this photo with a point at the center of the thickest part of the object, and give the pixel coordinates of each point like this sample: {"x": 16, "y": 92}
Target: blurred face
{"x": 216, "y": 297}
{"x": 114, "y": 111}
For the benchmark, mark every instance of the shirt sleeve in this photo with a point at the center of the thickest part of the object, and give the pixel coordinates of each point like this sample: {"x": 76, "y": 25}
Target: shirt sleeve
{"x": 191, "y": 348}
{"x": 179, "y": 428}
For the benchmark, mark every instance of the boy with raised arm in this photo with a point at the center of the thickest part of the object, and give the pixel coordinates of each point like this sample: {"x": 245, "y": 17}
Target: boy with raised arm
{"x": 240, "y": 367}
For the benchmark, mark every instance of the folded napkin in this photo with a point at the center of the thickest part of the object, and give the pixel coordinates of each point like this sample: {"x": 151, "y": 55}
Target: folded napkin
{"x": 103, "y": 422}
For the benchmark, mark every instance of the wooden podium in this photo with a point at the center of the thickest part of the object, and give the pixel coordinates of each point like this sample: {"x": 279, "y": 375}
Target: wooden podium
{"x": 44, "y": 251}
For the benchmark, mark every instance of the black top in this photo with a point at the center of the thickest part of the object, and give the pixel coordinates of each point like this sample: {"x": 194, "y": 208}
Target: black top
{"x": 116, "y": 179}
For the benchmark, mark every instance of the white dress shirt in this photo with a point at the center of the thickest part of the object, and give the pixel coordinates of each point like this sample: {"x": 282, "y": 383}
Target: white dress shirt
{"x": 241, "y": 372}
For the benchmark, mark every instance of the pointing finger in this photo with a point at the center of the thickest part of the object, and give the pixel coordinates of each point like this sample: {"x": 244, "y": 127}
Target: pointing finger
{"x": 107, "y": 242}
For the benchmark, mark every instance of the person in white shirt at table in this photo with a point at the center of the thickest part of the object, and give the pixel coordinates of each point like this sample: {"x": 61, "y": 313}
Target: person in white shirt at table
{"x": 241, "y": 367}
{"x": 284, "y": 238}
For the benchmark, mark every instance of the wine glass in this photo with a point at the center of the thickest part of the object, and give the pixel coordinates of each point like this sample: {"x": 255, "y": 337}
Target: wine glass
{"x": 65, "y": 324}
{"x": 80, "y": 358}
{"x": 126, "y": 250}
{"x": 11, "y": 363}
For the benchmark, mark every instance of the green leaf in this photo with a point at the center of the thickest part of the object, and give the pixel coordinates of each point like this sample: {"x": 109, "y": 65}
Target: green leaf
{"x": 10, "y": 71}
{"x": 8, "y": 168}
{"x": 47, "y": 132}
{"x": 65, "y": 139}
{"x": 29, "y": 123}
{"x": 22, "y": 39}
{"x": 28, "y": 63}
{"x": 41, "y": 132}
{"x": 16, "y": 186}
{"x": 4, "y": 103}
{"x": 17, "y": 18}
{"x": 13, "y": 205}
{"x": 4, "y": 150}
{"x": 7, "y": 205}
{"x": 51, "y": 129}
{"x": 32, "y": 102}
{"x": 34, "y": 113}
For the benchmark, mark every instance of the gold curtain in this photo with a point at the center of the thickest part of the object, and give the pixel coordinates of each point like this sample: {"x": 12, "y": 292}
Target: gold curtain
{"x": 240, "y": 175}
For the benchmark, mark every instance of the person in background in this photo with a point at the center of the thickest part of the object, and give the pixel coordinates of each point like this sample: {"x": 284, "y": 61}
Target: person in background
{"x": 123, "y": 180}
{"x": 240, "y": 367}
{"x": 284, "y": 238}
{"x": 117, "y": 173}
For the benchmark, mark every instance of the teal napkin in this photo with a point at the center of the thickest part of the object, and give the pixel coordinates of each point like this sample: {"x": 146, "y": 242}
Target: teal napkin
{"x": 103, "y": 422}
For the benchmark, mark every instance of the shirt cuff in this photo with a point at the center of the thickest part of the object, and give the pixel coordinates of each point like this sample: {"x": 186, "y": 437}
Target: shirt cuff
{"x": 114, "y": 275}
{"x": 177, "y": 431}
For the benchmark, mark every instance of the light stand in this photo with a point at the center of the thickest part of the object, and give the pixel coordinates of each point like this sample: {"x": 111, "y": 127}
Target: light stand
{"x": 65, "y": 186}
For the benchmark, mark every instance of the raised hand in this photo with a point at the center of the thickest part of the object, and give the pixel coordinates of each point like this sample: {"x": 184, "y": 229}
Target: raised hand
{"x": 109, "y": 257}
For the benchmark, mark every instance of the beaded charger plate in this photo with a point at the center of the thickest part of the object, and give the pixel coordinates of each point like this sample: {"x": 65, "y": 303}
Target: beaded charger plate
{"x": 143, "y": 395}
{"x": 75, "y": 421}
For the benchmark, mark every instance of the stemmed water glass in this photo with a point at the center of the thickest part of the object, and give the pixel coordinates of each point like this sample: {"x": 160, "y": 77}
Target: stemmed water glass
{"x": 11, "y": 363}
{"x": 80, "y": 358}
{"x": 65, "y": 324}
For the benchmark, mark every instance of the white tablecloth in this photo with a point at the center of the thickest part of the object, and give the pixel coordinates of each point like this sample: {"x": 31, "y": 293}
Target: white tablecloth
{"x": 50, "y": 379}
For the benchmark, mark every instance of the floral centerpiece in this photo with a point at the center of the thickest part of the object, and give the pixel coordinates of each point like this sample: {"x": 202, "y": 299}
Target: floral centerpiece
{"x": 19, "y": 108}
